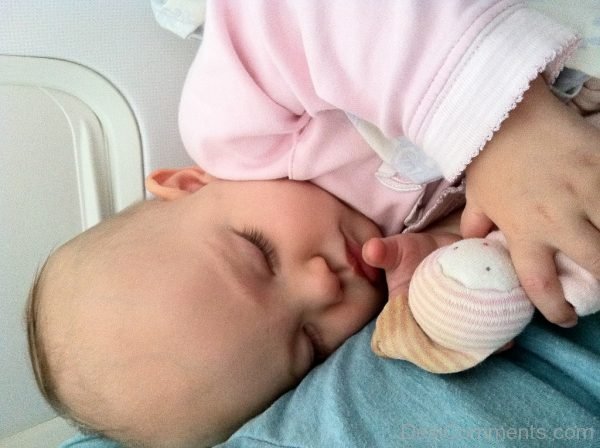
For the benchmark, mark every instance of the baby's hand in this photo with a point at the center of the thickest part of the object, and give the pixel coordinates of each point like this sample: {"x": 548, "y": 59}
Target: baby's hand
{"x": 538, "y": 180}
{"x": 399, "y": 255}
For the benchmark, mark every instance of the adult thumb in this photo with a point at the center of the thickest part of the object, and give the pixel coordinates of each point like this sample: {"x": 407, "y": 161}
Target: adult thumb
{"x": 474, "y": 223}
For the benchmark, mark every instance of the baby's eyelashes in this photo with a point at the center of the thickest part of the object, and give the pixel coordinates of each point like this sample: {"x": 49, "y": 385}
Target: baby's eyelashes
{"x": 262, "y": 243}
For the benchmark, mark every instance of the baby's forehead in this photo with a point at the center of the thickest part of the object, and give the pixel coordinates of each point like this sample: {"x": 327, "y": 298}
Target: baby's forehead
{"x": 95, "y": 322}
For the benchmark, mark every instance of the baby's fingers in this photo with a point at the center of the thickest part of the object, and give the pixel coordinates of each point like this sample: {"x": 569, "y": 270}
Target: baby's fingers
{"x": 537, "y": 273}
{"x": 384, "y": 253}
{"x": 474, "y": 223}
{"x": 406, "y": 250}
{"x": 399, "y": 255}
{"x": 584, "y": 247}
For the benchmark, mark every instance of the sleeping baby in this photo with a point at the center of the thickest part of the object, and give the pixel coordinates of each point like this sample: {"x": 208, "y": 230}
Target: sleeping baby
{"x": 176, "y": 321}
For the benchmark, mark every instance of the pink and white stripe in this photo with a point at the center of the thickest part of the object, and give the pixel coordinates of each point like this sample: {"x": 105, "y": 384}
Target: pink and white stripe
{"x": 461, "y": 318}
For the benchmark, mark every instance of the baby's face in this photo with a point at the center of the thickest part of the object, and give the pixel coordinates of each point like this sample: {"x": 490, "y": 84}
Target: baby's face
{"x": 252, "y": 285}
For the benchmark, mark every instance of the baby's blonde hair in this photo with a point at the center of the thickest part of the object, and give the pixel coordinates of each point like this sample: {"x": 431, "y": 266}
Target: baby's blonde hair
{"x": 39, "y": 358}
{"x": 40, "y": 353}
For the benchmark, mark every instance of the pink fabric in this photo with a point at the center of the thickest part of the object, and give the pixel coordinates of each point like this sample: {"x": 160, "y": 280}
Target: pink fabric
{"x": 267, "y": 94}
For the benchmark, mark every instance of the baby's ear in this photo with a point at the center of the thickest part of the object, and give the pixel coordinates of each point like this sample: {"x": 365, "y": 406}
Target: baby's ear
{"x": 170, "y": 184}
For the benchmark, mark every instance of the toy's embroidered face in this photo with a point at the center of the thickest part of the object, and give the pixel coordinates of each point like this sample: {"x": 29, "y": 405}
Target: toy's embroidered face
{"x": 479, "y": 264}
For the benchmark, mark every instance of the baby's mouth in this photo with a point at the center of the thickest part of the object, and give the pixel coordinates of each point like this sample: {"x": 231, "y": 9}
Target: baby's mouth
{"x": 359, "y": 266}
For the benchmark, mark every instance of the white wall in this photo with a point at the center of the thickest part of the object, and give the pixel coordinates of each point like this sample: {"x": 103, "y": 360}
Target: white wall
{"x": 47, "y": 434}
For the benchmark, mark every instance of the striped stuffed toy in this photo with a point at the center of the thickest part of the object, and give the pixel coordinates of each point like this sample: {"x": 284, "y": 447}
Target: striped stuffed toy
{"x": 465, "y": 302}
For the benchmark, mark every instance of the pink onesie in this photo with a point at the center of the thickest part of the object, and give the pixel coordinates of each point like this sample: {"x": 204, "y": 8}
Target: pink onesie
{"x": 278, "y": 89}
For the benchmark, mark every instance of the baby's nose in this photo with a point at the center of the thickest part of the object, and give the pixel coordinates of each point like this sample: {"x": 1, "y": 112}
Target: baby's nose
{"x": 318, "y": 286}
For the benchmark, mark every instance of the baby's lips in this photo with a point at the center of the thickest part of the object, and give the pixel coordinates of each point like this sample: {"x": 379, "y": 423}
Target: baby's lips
{"x": 372, "y": 273}
{"x": 359, "y": 265}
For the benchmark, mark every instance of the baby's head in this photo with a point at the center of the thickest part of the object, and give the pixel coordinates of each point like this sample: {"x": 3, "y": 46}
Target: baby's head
{"x": 176, "y": 321}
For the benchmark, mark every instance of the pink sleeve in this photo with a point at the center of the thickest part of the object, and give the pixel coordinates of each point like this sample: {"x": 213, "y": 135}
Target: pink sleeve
{"x": 444, "y": 74}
